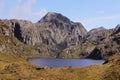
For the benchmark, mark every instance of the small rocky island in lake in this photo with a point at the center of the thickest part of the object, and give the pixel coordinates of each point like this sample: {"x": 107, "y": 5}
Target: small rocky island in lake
{"x": 56, "y": 36}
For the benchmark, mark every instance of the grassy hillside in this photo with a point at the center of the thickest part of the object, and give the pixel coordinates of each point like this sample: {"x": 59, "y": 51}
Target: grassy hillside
{"x": 16, "y": 68}
{"x": 13, "y": 65}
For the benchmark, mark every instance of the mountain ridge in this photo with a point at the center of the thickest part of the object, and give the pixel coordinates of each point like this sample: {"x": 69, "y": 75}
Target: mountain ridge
{"x": 57, "y": 36}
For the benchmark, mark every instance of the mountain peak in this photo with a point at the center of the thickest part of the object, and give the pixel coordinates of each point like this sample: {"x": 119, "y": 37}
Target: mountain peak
{"x": 97, "y": 29}
{"x": 52, "y": 13}
{"x": 50, "y": 16}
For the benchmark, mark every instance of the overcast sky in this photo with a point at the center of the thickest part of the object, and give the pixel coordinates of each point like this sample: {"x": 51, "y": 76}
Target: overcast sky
{"x": 91, "y": 13}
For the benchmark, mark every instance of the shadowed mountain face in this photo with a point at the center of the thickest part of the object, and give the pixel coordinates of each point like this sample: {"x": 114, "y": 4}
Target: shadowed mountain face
{"x": 57, "y": 36}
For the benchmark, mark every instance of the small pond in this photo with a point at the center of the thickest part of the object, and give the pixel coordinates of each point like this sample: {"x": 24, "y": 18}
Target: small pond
{"x": 55, "y": 63}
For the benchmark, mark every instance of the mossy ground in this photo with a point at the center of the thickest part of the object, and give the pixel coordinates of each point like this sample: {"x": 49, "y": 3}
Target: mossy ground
{"x": 13, "y": 67}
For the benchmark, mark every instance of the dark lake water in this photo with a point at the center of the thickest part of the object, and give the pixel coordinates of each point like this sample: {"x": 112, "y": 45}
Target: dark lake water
{"x": 64, "y": 62}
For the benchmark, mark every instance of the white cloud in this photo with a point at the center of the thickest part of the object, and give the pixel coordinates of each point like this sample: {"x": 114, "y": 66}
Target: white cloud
{"x": 105, "y": 21}
{"x": 100, "y": 19}
{"x": 23, "y": 10}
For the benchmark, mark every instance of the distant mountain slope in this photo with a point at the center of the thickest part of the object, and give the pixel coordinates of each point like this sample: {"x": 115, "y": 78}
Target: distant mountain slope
{"x": 99, "y": 43}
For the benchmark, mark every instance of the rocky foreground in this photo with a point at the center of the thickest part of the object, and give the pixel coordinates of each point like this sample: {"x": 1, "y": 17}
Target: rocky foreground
{"x": 56, "y": 36}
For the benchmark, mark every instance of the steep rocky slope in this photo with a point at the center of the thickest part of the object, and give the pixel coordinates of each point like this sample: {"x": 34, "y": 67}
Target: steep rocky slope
{"x": 99, "y": 43}
{"x": 60, "y": 29}
{"x": 57, "y": 36}
{"x": 49, "y": 36}
{"x": 10, "y": 44}
{"x": 107, "y": 44}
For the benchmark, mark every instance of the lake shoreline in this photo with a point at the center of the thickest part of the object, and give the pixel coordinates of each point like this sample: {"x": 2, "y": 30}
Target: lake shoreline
{"x": 51, "y": 62}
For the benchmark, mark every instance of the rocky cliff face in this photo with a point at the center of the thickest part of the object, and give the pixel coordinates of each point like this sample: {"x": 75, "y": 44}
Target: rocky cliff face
{"x": 55, "y": 28}
{"x": 107, "y": 44}
{"x": 54, "y": 31}
{"x": 99, "y": 43}
{"x": 57, "y": 36}
{"x": 10, "y": 44}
